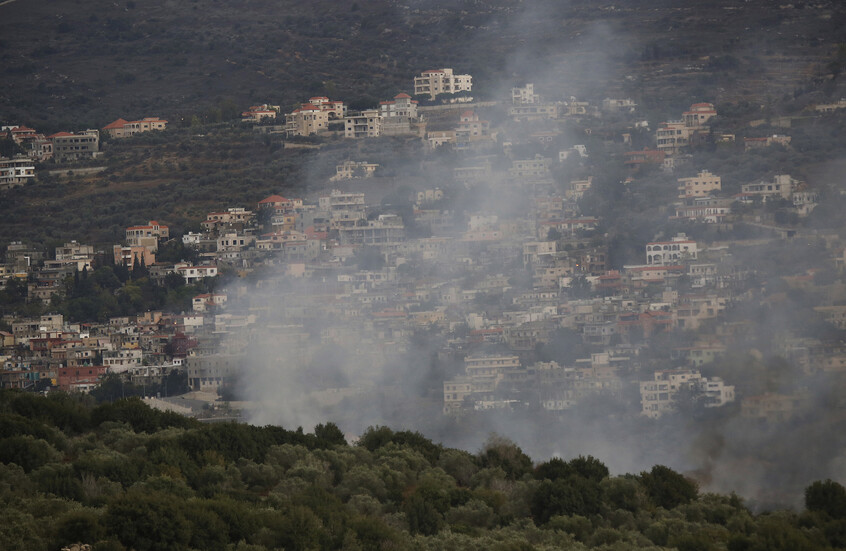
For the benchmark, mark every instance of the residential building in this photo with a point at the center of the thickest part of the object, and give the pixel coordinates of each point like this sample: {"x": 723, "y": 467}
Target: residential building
{"x": 830, "y": 107}
{"x": 258, "y": 113}
{"x": 525, "y": 95}
{"x": 429, "y": 196}
{"x": 306, "y": 120}
{"x": 386, "y": 229}
{"x": 441, "y": 81}
{"x": 530, "y": 168}
{"x": 470, "y": 128}
{"x": 73, "y": 253}
{"x": 339, "y": 200}
{"x": 437, "y": 138}
{"x": 147, "y": 236}
{"x": 781, "y": 187}
{"x": 366, "y": 124}
{"x": 711, "y": 210}
{"x": 679, "y": 249}
{"x": 122, "y": 359}
{"x": 80, "y": 378}
{"x": 233, "y": 217}
{"x": 773, "y": 407}
{"x": 335, "y": 110}
{"x": 672, "y": 136}
{"x": 483, "y": 373}
{"x": 619, "y": 105}
{"x": 208, "y": 301}
{"x": 635, "y": 159}
{"x": 71, "y": 147}
{"x": 129, "y": 255}
{"x": 701, "y": 185}
{"x": 775, "y": 139}
{"x": 699, "y": 114}
{"x": 660, "y": 395}
{"x": 354, "y": 169}
{"x": 401, "y": 106}
{"x": 695, "y": 309}
{"x": 533, "y": 111}
{"x": 210, "y": 372}
{"x": 577, "y": 188}
{"x": 279, "y": 204}
{"x": 193, "y": 274}
{"x": 124, "y": 129}
{"x": 16, "y": 172}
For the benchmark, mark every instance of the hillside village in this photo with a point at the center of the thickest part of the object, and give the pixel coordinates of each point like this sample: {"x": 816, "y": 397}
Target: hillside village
{"x": 507, "y": 260}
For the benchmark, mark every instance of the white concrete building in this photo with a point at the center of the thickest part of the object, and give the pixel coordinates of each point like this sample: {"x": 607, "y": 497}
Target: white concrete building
{"x": 663, "y": 253}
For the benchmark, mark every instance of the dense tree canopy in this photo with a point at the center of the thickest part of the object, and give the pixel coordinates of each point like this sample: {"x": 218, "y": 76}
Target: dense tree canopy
{"x": 122, "y": 476}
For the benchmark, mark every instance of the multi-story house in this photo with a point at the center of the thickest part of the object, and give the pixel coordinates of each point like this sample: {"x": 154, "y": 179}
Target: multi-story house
{"x": 354, "y": 169}
{"x": 147, "y": 236}
{"x": 530, "y": 168}
{"x": 386, "y": 229}
{"x": 306, "y": 120}
{"x": 470, "y": 128}
{"x": 781, "y": 187}
{"x": 441, "y": 81}
{"x": 533, "y": 111}
{"x": 659, "y": 395}
{"x": 672, "y": 136}
{"x": 767, "y": 141}
{"x": 699, "y": 114}
{"x": 694, "y": 309}
{"x": 234, "y": 217}
{"x": 619, "y": 105}
{"x": 712, "y": 210}
{"x": 129, "y": 255}
{"x": 208, "y": 301}
{"x": 258, "y": 113}
{"x": 678, "y": 250}
{"x": 210, "y": 372}
{"x": 401, "y": 106}
{"x": 701, "y": 185}
{"x": 525, "y": 95}
{"x": 366, "y": 124}
{"x": 122, "y": 359}
{"x": 71, "y": 147}
{"x": 124, "y": 129}
{"x": 193, "y": 274}
{"x": 16, "y": 172}
{"x": 339, "y": 200}
{"x": 334, "y": 109}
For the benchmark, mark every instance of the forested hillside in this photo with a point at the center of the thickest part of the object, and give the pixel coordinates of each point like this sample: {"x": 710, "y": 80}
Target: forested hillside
{"x": 85, "y": 64}
{"x": 121, "y": 476}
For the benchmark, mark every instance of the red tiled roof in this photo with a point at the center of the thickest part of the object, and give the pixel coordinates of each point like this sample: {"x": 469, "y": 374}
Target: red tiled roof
{"x": 274, "y": 199}
{"x": 402, "y": 95}
{"x": 117, "y": 124}
{"x": 60, "y": 135}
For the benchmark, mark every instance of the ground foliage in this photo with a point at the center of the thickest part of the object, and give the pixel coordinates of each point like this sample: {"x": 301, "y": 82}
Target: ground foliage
{"x": 123, "y": 476}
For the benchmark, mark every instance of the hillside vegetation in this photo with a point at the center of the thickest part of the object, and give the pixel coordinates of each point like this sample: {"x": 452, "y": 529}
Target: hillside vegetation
{"x": 123, "y": 476}
{"x": 86, "y": 63}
